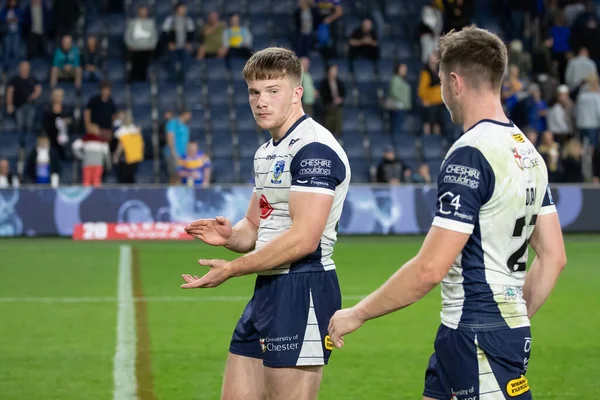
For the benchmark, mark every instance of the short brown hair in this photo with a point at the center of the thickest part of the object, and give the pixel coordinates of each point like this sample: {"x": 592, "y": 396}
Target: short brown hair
{"x": 476, "y": 54}
{"x": 273, "y": 63}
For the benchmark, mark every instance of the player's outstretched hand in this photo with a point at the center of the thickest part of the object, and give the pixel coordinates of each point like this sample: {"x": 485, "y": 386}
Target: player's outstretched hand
{"x": 212, "y": 231}
{"x": 219, "y": 273}
{"x": 343, "y": 322}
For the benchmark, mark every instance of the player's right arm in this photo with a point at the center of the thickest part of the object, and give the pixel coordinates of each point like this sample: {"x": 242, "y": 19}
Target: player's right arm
{"x": 550, "y": 259}
{"x": 218, "y": 232}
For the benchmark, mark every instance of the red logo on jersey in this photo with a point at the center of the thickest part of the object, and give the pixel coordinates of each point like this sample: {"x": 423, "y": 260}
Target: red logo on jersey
{"x": 518, "y": 158}
{"x": 265, "y": 208}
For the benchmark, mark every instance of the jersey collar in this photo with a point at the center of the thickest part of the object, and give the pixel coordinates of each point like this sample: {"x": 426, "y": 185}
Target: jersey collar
{"x": 492, "y": 121}
{"x": 298, "y": 122}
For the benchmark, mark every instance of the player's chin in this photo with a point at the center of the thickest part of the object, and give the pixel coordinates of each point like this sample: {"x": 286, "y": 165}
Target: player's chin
{"x": 265, "y": 124}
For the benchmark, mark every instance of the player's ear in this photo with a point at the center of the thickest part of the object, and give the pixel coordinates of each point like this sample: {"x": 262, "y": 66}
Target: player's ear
{"x": 455, "y": 83}
{"x": 298, "y": 91}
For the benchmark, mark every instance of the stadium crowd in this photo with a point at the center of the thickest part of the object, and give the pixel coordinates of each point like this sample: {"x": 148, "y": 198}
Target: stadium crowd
{"x": 96, "y": 92}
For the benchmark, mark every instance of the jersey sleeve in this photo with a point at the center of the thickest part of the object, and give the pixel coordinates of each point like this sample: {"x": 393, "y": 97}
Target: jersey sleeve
{"x": 317, "y": 168}
{"x": 465, "y": 183}
{"x": 548, "y": 206}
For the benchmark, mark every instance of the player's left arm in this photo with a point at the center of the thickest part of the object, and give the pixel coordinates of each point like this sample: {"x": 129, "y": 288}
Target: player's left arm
{"x": 316, "y": 170}
{"x": 465, "y": 183}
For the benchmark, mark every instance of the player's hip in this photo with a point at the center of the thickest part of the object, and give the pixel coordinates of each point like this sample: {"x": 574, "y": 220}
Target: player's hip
{"x": 479, "y": 365}
{"x": 484, "y": 315}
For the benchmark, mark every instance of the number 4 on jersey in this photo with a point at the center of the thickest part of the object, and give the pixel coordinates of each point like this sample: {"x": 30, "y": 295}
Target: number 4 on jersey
{"x": 515, "y": 262}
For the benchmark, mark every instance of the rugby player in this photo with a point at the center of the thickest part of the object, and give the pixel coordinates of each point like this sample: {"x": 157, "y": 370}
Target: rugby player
{"x": 281, "y": 343}
{"x": 493, "y": 200}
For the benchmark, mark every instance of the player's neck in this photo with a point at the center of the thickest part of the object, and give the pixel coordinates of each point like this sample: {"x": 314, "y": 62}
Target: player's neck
{"x": 279, "y": 133}
{"x": 483, "y": 107}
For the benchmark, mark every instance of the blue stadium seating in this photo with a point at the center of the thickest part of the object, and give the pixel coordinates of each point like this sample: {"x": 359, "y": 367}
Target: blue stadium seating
{"x": 140, "y": 94}
{"x": 360, "y": 170}
{"x": 222, "y": 145}
{"x": 223, "y": 170}
{"x": 248, "y": 143}
{"x": 432, "y": 147}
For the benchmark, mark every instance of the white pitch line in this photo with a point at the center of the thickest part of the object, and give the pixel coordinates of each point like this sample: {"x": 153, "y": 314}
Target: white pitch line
{"x": 156, "y": 299}
{"x": 124, "y": 362}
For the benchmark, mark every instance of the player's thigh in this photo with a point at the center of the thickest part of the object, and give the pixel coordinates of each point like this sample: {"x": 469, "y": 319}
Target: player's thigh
{"x": 299, "y": 383}
{"x": 243, "y": 379}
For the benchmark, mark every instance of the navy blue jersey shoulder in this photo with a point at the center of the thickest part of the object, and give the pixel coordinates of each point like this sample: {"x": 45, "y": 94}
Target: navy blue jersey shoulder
{"x": 548, "y": 200}
{"x": 465, "y": 183}
{"x": 317, "y": 165}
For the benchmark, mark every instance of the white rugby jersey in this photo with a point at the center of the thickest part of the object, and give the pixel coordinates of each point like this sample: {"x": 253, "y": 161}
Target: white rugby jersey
{"x": 307, "y": 159}
{"x": 492, "y": 185}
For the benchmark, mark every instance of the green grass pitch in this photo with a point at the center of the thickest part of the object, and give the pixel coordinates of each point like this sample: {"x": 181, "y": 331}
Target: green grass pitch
{"x": 58, "y": 322}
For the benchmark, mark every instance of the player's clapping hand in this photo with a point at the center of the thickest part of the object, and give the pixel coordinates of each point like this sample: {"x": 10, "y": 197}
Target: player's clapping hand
{"x": 219, "y": 273}
{"x": 343, "y": 322}
{"x": 212, "y": 231}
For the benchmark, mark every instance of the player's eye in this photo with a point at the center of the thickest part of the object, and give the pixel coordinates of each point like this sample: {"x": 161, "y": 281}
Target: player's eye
{"x": 273, "y": 91}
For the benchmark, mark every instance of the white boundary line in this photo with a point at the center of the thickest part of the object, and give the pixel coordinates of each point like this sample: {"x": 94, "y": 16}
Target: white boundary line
{"x": 156, "y": 299}
{"x": 124, "y": 362}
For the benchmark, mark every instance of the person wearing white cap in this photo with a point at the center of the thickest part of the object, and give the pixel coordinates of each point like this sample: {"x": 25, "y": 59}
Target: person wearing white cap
{"x": 560, "y": 116}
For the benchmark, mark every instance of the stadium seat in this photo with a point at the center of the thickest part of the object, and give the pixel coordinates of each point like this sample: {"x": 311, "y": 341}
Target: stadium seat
{"x": 222, "y": 143}
{"x": 406, "y": 147}
{"x": 115, "y": 71}
{"x": 216, "y": 70}
{"x": 368, "y": 94}
{"x": 377, "y": 144}
{"x": 364, "y": 71}
{"x": 385, "y": 68}
{"x": 248, "y": 143}
{"x": 40, "y": 70}
{"x": 193, "y": 98}
{"x": 247, "y": 169}
{"x": 145, "y": 172}
{"x": 373, "y": 122}
{"x": 353, "y": 144}
{"x": 9, "y": 143}
{"x": 168, "y": 99}
{"x": 432, "y": 147}
{"x": 240, "y": 93}
{"x": 140, "y": 94}
{"x": 223, "y": 170}
{"x": 217, "y": 93}
{"x": 360, "y": 170}
{"x": 142, "y": 117}
{"x": 350, "y": 119}
{"x": 244, "y": 119}
{"x": 194, "y": 73}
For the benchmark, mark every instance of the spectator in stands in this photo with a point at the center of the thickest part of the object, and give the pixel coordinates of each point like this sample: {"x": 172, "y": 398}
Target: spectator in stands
{"x": 237, "y": 40}
{"x": 131, "y": 144}
{"x": 559, "y": 117}
{"x": 587, "y": 34}
{"x": 66, "y": 14}
{"x": 43, "y": 164}
{"x": 571, "y": 161}
{"x": 22, "y": 94}
{"x": 423, "y": 175}
{"x": 311, "y": 93}
{"x": 94, "y": 153}
{"x": 7, "y": 179}
{"x": 391, "y": 170}
{"x": 587, "y": 111}
{"x": 328, "y": 29}
{"x": 596, "y": 165}
{"x": 162, "y": 128}
{"x": 93, "y": 60}
{"x": 305, "y": 17}
{"x": 178, "y": 137}
{"x": 538, "y": 109}
{"x": 544, "y": 67}
{"x": 430, "y": 29}
{"x": 141, "y": 39}
{"x": 67, "y": 63}
{"x": 430, "y": 93}
{"x": 333, "y": 92}
{"x": 517, "y": 56}
{"x": 37, "y": 23}
{"x": 399, "y": 98}
{"x": 101, "y": 110}
{"x": 57, "y": 120}
{"x": 532, "y": 135}
{"x": 11, "y": 21}
{"x": 579, "y": 69}
{"x": 195, "y": 167}
{"x": 550, "y": 152}
{"x": 512, "y": 89}
{"x": 179, "y": 29}
{"x": 561, "y": 50}
{"x": 363, "y": 42}
{"x": 457, "y": 14}
{"x": 211, "y": 40}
